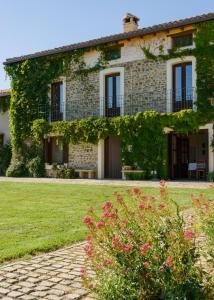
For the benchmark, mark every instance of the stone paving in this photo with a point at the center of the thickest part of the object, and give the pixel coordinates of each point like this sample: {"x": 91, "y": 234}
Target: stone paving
{"x": 50, "y": 276}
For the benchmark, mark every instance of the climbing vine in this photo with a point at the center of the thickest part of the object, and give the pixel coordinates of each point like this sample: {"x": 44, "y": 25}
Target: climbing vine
{"x": 30, "y": 82}
{"x": 204, "y": 54}
{"x": 144, "y": 132}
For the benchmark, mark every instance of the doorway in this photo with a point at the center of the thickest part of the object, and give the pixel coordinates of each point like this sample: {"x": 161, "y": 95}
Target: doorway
{"x": 185, "y": 151}
{"x": 113, "y": 165}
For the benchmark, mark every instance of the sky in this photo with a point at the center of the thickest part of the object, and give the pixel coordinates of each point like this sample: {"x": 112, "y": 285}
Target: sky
{"x": 27, "y": 26}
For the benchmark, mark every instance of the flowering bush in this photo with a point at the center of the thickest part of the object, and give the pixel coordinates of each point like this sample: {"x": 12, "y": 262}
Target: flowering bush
{"x": 141, "y": 248}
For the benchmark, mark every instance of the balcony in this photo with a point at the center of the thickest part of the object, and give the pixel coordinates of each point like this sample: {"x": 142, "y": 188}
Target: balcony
{"x": 130, "y": 104}
{"x": 183, "y": 99}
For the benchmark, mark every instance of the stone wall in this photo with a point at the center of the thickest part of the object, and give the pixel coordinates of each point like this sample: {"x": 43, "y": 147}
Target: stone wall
{"x": 83, "y": 156}
{"x": 145, "y": 89}
{"x": 82, "y": 97}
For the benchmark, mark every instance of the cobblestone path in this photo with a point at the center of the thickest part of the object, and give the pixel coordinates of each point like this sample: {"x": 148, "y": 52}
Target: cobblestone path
{"x": 53, "y": 276}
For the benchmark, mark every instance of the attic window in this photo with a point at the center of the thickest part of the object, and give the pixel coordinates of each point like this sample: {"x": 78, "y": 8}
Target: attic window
{"x": 183, "y": 40}
{"x": 113, "y": 53}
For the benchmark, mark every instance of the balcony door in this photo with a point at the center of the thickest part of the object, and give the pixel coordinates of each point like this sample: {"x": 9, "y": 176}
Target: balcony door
{"x": 57, "y": 101}
{"x": 112, "y": 95}
{"x": 182, "y": 86}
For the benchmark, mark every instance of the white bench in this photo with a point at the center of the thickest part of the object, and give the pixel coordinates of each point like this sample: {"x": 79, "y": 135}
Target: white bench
{"x": 91, "y": 173}
{"x": 124, "y": 172}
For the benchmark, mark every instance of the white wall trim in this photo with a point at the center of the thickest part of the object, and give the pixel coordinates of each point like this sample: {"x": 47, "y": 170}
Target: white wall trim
{"x": 103, "y": 73}
{"x": 101, "y": 159}
{"x": 210, "y": 149}
{"x": 169, "y": 66}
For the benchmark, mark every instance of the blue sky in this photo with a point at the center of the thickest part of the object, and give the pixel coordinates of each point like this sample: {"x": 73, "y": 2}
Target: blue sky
{"x": 27, "y": 26}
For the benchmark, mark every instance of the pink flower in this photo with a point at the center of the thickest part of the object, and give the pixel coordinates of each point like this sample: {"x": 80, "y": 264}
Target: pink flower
{"x": 146, "y": 264}
{"x": 107, "y": 205}
{"x": 161, "y": 205}
{"x": 127, "y": 247}
{"x": 90, "y": 210}
{"x": 109, "y": 261}
{"x": 119, "y": 198}
{"x": 152, "y": 198}
{"x": 141, "y": 206}
{"x": 100, "y": 224}
{"x": 188, "y": 235}
{"x": 169, "y": 261}
{"x": 82, "y": 273}
{"x": 129, "y": 233}
{"x": 87, "y": 220}
{"x": 88, "y": 250}
{"x": 145, "y": 247}
{"x": 136, "y": 190}
{"x": 109, "y": 215}
{"x": 116, "y": 242}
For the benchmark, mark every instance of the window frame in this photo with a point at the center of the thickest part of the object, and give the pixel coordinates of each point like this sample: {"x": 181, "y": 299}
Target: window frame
{"x": 114, "y": 110}
{"x": 188, "y": 102}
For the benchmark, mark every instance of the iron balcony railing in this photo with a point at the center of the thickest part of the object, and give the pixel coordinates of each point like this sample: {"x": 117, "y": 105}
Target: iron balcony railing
{"x": 130, "y": 104}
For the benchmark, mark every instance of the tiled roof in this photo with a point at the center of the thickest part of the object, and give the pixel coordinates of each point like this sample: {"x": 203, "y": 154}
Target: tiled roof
{"x": 4, "y": 93}
{"x": 115, "y": 37}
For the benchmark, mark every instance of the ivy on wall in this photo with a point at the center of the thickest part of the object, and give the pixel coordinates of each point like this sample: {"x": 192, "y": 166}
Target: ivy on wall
{"x": 144, "y": 132}
{"x": 204, "y": 53}
{"x": 30, "y": 81}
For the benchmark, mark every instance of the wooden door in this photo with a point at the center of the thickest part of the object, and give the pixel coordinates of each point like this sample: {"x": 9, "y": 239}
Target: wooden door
{"x": 178, "y": 156}
{"x": 113, "y": 165}
{"x": 182, "y": 157}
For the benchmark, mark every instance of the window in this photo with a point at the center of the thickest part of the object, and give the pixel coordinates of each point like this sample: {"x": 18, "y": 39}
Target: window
{"x": 182, "y": 40}
{"x": 112, "y": 95}
{"x": 182, "y": 86}
{"x": 1, "y": 139}
{"x": 113, "y": 53}
{"x": 57, "y": 105}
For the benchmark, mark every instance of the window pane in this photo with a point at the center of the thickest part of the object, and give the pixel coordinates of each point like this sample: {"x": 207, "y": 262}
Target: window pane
{"x": 178, "y": 83}
{"x": 61, "y": 98}
{"x": 189, "y": 82}
{"x": 113, "y": 53}
{"x": 118, "y": 96}
{"x": 109, "y": 92}
{"x": 182, "y": 41}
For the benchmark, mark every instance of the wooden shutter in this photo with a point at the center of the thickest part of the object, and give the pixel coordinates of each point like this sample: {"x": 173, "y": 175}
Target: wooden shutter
{"x": 48, "y": 151}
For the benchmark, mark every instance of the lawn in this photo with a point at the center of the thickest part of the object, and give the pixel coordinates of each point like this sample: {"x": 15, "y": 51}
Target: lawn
{"x": 38, "y": 217}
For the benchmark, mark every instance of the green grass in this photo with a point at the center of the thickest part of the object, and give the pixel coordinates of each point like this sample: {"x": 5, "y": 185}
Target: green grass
{"x": 38, "y": 217}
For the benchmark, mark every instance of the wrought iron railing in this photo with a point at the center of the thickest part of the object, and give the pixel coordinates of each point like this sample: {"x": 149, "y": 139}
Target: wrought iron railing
{"x": 130, "y": 104}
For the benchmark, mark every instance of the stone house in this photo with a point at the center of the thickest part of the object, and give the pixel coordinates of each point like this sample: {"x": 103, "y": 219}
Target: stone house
{"x": 129, "y": 84}
{"x": 4, "y": 118}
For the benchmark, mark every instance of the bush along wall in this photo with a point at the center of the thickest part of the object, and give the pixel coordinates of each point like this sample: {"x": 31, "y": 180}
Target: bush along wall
{"x": 142, "y": 137}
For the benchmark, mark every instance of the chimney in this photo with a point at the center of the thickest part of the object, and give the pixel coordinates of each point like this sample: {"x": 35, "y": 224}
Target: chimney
{"x": 130, "y": 22}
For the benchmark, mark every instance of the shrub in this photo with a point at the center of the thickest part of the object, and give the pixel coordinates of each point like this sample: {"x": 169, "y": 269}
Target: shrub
{"x": 36, "y": 167}
{"x": 210, "y": 176}
{"x": 5, "y": 158}
{"x": 17, "y": 167}
{"x": 64, "y": 172}
{"x": 141, "y": 248}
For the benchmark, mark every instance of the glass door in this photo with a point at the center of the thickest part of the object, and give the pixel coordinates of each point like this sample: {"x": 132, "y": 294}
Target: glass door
{"x": 112, "y": 95}
{"x": 182, "y": 87}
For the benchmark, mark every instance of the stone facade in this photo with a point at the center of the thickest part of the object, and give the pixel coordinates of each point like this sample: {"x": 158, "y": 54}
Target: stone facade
{"x": 145, "y": 89}
{"x": 83, "y": 156}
